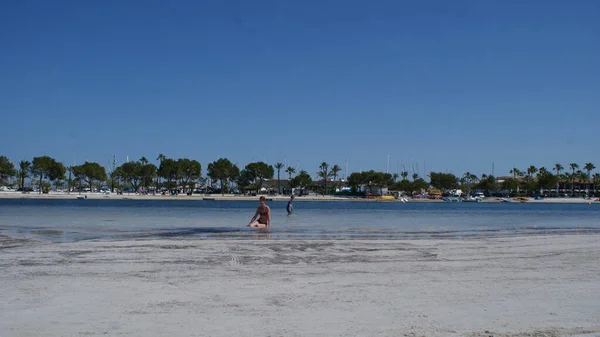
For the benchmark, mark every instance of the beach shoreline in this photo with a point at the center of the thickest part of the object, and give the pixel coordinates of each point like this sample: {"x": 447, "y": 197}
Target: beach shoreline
{"x": 231, "y": 197}
{"x": 518, "y": 286}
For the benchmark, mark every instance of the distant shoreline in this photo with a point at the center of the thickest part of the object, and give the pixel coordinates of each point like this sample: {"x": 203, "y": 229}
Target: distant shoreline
{"x": 230, "y": 197}
{"x": 216, "y": 197}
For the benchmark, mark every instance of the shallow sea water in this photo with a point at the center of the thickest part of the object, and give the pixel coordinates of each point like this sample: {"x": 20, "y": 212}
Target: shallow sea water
{"x": 68, "y": 220}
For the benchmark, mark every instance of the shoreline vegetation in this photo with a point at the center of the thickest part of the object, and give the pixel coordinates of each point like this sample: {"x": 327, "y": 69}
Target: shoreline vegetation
{"x": 232, "y": 197}
{"x": 184, "y": 176}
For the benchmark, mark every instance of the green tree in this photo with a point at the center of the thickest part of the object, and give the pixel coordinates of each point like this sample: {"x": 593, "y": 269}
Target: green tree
{"x": 375, "y": 179}
{"x": 516, "y": 172}
{"x": 290, "y": 170}
{"x": 7, "y": 170}
{"x": 335, "y": 169}
{"x": 410, "y": 187}
{"x": 596, "y": 180}
{"x": 47, "y": 167}
{"x": 404, "y": 186}
{"x": 583, "y": 179}
{"x": 573, "y": 176}
{"x": 531, "y": 170}
{"x": 324, "y": 174}
{"x": 443, "y": 181}
{"x": 354, "y": 180}
{"x": 589, "y": 167}
{"x": 419, "y": 184}
{"x": 24, "y": 169}
{"x": 302, "y": 180}
{"x": 404, "y": 175}
{"x": 278, "y": 167}
{"x": 233, "y": 177}
{"x": 244, "y": 179}
{"x": 188, "y": 171}
{"x": 545, "y": 179}
{"x": 260, "y": 171}
{"x": 129, "y": 172}
{"x": 369, "y": 179}
{"x": 160, "y": 158}
{"x": 147, "y": 173}
{"x": 382, "y": 180}
{"x": 558, "y": 167}
{"x": 530, "y": 185}
{"x": 136, "y": 174}
{"x": 467, "y": 181}
{"x": 168, "y": 170}
{"x": 223, "y": 170}
{"x": 511, "y": 184}
{"x": 92, "y": 173}
{"x": 488, "y": 184}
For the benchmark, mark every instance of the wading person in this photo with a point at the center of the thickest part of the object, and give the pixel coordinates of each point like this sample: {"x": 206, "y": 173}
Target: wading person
{"x": 262, "y": 216}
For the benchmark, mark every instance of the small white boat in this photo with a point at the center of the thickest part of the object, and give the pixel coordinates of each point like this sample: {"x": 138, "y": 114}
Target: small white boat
{"x": 81, "y": 197}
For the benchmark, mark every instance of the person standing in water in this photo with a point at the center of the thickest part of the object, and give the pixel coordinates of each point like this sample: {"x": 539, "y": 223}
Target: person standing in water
{"x": 262, "y": 216}
{"x": 290, "y": 206}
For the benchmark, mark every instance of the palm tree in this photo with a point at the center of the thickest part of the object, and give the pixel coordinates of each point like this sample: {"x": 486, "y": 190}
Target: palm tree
{"x": 531, "y": 171}
{"x": 395, "y": 177}
{"x": 160, "y": 158}
{"x": 573, "y": 166}
{"x": 404, "y": 175}
{"x": 335, "y": 170}
{"x": 589, "y": 167}
{"x": 596, "y": 178}
{"x": 570, "y": 178}
{"x": 24, "y": 168}
{"x": 324, "y": 173}
{"x": 70, "y": 181}
{"x": 558, "y": 167}
{"x": 290, "y": 170}
{"x": 278, "y": 166}
{"x": 467, "y": 180}
{"x": 516, "y": 172}
{"x": 415, "y": 176}
{"x": 583, "y": 178}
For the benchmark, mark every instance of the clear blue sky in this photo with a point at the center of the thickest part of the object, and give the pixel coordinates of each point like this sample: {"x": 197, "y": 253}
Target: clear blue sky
{"x": 450, "y": 85}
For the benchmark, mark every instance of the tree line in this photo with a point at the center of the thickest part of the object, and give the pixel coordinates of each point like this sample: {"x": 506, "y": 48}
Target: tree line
{"x": 527, "y": 182}
{"x": 186, "y": 174}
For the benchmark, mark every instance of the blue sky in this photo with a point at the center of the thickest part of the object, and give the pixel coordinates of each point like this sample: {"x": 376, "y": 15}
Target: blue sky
{"x": 451, "y": 85}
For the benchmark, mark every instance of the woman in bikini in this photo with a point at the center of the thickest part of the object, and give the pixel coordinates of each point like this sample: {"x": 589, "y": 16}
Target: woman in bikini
{"x": 262, "y": 216}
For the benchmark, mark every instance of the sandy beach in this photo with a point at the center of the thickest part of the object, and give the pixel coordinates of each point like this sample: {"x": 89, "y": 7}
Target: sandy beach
{"x": 518, "y": 286}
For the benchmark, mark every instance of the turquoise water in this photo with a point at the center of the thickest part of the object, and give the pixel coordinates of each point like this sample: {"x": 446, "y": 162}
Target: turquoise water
{"x": 74, "y": 220}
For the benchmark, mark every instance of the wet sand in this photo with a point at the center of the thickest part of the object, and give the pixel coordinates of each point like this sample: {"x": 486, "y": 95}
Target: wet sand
{"x": 519, "y": 286}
